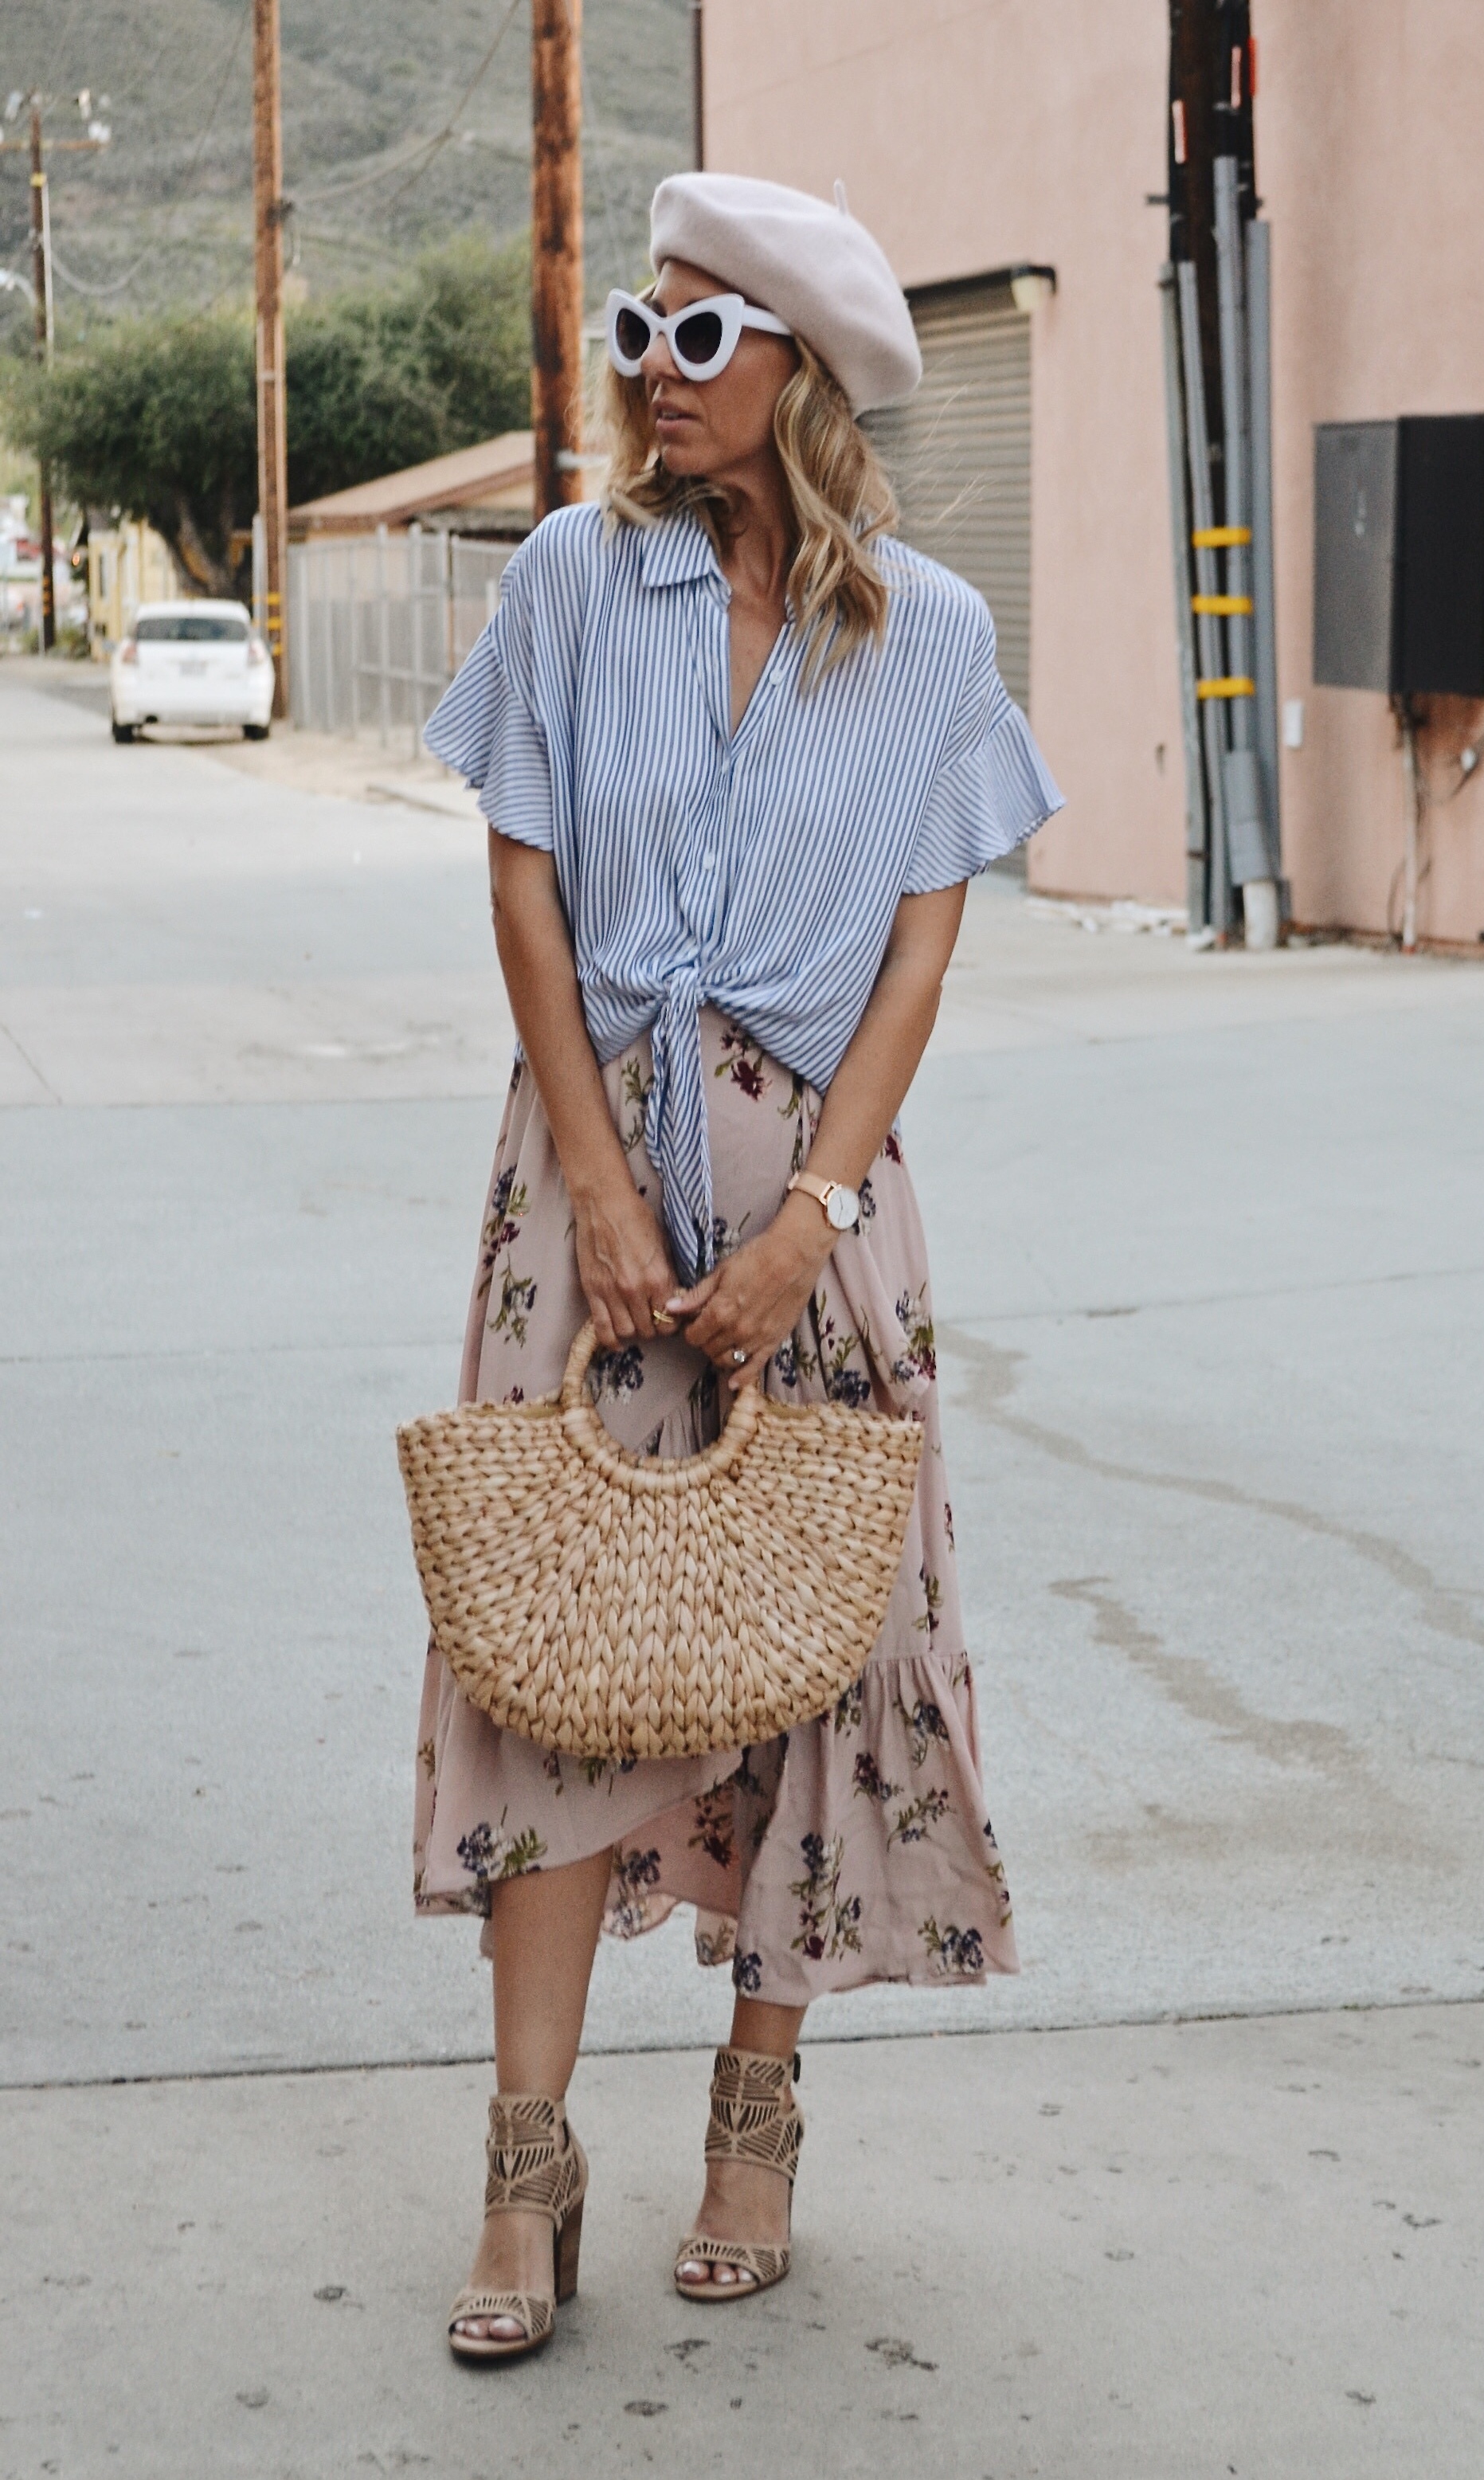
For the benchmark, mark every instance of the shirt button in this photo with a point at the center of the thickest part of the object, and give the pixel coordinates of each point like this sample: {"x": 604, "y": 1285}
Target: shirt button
{"x": 708, "y": 861}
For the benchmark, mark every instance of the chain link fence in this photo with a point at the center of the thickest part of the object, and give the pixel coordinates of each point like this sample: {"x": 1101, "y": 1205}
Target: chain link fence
{"x": 380, "y": 624}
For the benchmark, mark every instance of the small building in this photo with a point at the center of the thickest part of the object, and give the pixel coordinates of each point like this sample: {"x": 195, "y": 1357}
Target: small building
{"x": 127, "y": 564}
{"x": 486, "y": 490}
{"x": 980, "y": 137}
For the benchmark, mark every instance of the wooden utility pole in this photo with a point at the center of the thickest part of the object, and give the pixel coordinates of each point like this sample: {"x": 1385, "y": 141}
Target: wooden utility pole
{"x": 1193, "y": 46}
{"x": 556, "y": 250}
{"x": 41, "y": 278}
{"x": 698, "y": 81}
{"x": 267, "y": 215}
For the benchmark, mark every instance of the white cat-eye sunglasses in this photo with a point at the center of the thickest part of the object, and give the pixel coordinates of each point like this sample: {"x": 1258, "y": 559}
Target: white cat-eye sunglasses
{"x": 702, "y": 338}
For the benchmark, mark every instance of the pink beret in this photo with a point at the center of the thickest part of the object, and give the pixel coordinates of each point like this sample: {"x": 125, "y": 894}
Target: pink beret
{"x": 811, "y": 264}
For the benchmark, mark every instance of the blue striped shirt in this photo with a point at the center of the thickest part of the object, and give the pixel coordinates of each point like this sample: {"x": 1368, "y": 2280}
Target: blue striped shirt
{"x": 761, "y": 869}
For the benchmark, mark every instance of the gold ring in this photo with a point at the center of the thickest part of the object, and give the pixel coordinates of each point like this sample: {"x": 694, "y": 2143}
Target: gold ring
{"x": 662, "y": 1321}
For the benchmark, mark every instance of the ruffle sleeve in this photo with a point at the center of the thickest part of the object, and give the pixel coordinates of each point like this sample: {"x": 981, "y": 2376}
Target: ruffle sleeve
{"x": 993, "y": 787}
{"x": 486, "y": 726}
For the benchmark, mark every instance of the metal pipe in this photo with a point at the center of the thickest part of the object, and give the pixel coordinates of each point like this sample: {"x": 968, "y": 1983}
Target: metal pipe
{"x": 414, "y": 597}
{"x": 383, "y": 684}
{"x": 449, "y": 664}
{"x": 1412, "y": 779}
{"x": 1196, "y": 827}
{"x": 1246, "y": 837}
{"x": 1231, "y": 307}
{"x": 1265, "y": 627}
{"x": 326, "y": 637}
{"x": 1208, "y": 635}
{"x": 354, "y": 634}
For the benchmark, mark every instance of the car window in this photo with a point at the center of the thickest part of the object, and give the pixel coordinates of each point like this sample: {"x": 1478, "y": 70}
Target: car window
{"x": 190, "y": 629}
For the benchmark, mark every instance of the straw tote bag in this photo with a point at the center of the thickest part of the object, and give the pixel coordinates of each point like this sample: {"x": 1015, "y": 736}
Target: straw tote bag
{"x": 609, "y": 1605}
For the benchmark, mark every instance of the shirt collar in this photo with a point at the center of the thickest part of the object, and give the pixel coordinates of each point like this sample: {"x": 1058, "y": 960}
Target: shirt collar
{"x": 676, "y": 550}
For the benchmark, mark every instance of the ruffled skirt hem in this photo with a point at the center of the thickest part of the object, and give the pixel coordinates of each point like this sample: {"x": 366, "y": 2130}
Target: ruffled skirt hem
{"x": 856, "y": 1848}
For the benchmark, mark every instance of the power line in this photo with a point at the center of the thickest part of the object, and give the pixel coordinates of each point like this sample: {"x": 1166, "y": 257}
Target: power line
{"x": 383, "y": 171}
{"x": 98, "y": 292}
{"x": 429, "y": 147}
{"x": 446, "y": 133}
{"x": 102, "y": 292}
{"x": 589, "y": 131}
{"x": 357, "y": 245}
{"x": 211, "y": 117}
{"x": 145, "y": 82}
{"x": 64, "y": 39}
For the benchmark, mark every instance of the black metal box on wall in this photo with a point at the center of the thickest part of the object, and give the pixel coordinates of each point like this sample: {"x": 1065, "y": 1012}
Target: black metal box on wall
{"x": 1399, "y": 555}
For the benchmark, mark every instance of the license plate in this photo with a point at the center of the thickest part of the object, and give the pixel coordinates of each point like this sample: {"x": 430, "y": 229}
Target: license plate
{"x": 189, "y": 669}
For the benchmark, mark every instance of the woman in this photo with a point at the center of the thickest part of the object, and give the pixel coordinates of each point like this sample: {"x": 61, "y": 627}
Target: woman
{"x": 739, "y": 750}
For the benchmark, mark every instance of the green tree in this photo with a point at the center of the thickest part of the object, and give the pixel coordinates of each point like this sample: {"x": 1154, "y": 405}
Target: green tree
{"x": 157, "y": 419}
{"x": 380, "y": 380}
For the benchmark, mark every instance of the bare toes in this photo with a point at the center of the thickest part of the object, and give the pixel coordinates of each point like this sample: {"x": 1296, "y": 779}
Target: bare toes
{"x": 715, "y": 2277}
{"x": 489, "y": 2329}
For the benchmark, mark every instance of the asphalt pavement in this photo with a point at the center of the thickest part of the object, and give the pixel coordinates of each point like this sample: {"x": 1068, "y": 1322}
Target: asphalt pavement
{"x": 1209, "y": 1271}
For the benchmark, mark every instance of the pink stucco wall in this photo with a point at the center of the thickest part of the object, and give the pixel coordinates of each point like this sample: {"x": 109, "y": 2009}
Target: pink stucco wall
{"x": 974, "y": 133}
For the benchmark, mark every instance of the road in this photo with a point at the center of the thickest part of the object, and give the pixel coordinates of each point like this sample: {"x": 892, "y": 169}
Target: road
{"x": 1209, "y": 1271}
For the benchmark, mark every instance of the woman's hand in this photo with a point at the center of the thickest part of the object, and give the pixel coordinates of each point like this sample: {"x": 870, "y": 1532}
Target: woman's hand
{"x": 751, "y": 1302}
{"x": 623, "y": 1263}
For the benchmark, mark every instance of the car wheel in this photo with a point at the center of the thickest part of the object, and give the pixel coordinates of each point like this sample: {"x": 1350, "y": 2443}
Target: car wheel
{"x": 125, "y": 731}
{"x": 255, "y": 731}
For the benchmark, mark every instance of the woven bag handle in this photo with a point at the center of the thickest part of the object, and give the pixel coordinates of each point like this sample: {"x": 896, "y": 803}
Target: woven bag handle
{"x": 680, "y": 1472}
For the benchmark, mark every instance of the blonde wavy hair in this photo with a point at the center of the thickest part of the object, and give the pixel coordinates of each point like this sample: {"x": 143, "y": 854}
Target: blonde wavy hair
{"x": 837, "y": 485}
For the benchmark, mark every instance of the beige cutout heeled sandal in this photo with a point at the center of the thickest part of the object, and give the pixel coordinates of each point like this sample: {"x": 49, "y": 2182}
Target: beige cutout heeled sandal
{"x": 755, "y": 2118}
{"x": 536, "y": 2165}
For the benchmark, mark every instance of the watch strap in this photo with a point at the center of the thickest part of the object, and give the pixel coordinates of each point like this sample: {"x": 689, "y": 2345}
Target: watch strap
{"x": 822, "y": 1191}
{"x": 818, "y": 1189}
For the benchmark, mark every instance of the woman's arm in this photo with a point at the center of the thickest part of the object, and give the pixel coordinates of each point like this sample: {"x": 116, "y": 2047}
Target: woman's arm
{"x": 756, "y": 1299}
{"x": 621, "y": 1259}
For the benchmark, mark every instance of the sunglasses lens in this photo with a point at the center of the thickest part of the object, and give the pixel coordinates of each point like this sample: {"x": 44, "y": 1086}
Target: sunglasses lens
{"x": 699, "y": 339}
{"x": 632, "y": 334}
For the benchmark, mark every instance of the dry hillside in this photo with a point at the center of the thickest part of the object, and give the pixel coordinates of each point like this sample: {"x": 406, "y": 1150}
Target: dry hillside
{"x": 162, "y": 215}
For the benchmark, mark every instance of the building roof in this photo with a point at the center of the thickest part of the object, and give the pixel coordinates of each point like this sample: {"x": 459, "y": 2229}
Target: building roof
{"x": 496, "y": 474}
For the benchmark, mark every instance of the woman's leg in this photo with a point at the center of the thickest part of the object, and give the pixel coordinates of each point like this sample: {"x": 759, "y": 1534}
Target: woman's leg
{"x": 545, "y": 1927}
{"x": 742, "y": 2202}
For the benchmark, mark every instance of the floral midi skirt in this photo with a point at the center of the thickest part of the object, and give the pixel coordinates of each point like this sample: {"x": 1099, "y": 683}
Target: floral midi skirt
{"x": 856, "y": 1847}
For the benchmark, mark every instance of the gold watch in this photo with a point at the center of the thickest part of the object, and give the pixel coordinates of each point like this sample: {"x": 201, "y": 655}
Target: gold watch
{"x": 841, "y": 1204}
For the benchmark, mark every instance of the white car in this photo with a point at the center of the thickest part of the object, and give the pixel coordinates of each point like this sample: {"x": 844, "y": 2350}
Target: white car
{"x": 192, "y": 662}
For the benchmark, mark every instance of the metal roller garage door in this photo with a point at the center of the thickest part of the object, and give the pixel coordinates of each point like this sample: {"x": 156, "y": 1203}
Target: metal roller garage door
{"x": 960, "y": 455}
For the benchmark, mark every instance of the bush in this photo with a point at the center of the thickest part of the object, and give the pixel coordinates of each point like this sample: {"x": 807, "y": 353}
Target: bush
{"x": 158, "y": 419}
{"x": 382, "y": 379}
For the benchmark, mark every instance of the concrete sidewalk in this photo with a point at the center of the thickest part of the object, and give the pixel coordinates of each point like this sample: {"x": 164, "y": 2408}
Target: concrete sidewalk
{"x": 1209, "y": 1283}
{"x": 1161, "y": 2254}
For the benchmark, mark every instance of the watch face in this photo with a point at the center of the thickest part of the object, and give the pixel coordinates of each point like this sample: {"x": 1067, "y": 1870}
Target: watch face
{"x": 843, "y": 1209}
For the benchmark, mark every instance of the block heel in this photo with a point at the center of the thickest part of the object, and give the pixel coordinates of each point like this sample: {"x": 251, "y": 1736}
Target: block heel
{"x": 536, "y": 2165}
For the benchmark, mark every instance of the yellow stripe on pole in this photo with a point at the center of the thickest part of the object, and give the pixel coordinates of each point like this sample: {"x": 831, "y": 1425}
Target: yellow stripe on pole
{"x": 1224, "y": 606}
{"x": 1221, "y": 537}
{"x": 1232, "y": 688}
